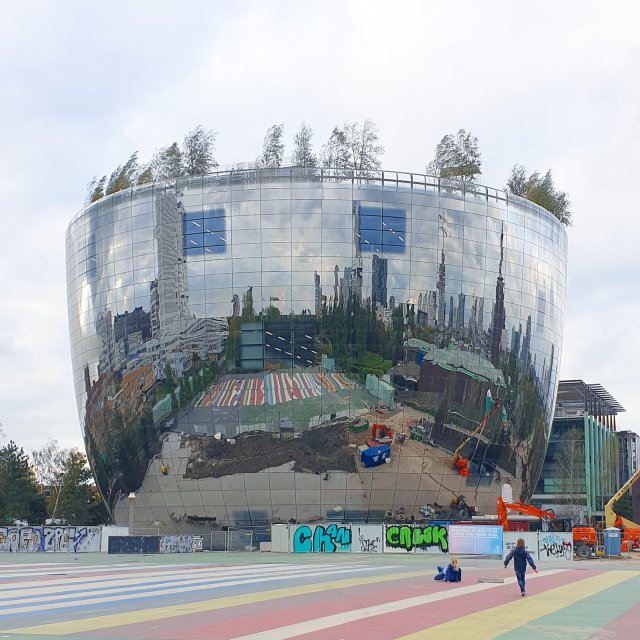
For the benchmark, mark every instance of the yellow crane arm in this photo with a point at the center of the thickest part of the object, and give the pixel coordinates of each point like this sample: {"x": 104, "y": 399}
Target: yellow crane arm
{"x": 609, "y": 514}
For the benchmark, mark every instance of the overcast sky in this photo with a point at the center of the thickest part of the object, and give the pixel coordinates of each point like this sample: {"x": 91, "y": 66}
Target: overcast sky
{"x": 84, "y": 84}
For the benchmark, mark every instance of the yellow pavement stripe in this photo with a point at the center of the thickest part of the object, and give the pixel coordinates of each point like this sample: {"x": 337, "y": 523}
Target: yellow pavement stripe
{"x": 492, "y": 623}
{"x": 160, "y": 613}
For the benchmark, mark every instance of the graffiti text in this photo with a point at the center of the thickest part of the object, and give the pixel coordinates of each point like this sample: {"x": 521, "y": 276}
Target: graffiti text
{"x": 409, "y": 538}
{"x": 322, "y": 539}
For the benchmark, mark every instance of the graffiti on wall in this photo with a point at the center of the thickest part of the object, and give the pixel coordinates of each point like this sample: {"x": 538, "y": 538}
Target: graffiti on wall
{"x": 180, "y": 544}
{"x": 366, "y": 539}
{"x": 556, "y": 546}
{"x": 322, "y": 539}
{"x": 50, "y": 539}
{"x": 410, "y": 538}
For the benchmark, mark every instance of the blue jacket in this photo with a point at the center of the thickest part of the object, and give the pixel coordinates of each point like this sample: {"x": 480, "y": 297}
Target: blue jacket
{"x": 449, "y": 574}
{"x": 520, "y": 558}
{"x": 452, "y": 575}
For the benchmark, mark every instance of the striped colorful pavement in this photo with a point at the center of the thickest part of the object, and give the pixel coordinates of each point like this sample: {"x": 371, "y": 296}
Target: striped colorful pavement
{"x": 314, "y": 599}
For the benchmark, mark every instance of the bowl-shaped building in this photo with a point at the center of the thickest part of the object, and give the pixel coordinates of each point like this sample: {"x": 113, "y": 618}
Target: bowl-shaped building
{"x": 255, "y": 346}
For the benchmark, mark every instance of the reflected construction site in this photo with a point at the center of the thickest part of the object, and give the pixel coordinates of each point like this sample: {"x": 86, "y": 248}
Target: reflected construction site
{"x": 299, "y": 344}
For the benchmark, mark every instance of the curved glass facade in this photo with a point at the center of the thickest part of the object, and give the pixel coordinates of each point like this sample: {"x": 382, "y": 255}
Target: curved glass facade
{"x": 236, "y": 336}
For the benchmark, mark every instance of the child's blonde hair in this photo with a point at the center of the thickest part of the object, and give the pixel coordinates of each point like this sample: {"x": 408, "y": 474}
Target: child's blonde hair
{"x": 454, "y": 560}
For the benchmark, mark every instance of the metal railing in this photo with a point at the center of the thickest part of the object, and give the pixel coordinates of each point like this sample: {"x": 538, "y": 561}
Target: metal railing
{"x": 386, "y": 180}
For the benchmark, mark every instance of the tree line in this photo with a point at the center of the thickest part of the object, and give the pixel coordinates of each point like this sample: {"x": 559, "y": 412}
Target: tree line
{"x": 54, "y": 486}
{"x": 353, "y": 146}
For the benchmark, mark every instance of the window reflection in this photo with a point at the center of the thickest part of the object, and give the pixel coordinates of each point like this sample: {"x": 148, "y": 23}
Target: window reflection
{"x": 274, "y": 309}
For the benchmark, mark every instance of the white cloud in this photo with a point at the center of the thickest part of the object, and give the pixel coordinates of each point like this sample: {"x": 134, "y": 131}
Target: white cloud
{"x": 82, "y": 89}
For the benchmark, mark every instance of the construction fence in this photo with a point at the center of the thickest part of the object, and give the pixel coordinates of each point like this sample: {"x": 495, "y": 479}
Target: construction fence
{"x": 434, "y": 538}
{"x": 114, "y": 539}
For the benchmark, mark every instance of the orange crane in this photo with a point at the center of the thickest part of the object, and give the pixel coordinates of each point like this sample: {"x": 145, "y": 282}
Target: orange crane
{"x": 460, "y": 462}
{"x": 525, "y": 509}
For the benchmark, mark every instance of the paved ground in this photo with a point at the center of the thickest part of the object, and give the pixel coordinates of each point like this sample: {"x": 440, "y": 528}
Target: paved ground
{"x": 273, "y": 597}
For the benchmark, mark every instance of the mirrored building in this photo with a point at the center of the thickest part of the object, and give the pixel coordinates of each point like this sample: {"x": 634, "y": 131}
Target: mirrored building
{"x": 244, "y": 343}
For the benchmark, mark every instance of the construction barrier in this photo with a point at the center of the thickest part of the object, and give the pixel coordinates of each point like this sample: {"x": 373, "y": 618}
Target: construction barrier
{"x": 431, "y": 537}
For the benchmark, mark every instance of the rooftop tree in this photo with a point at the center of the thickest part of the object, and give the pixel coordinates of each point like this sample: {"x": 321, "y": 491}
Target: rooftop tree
{"x": 356, "y": 146}
{"x": 272, "y": 148}
{"x": 125, "y": 176}
{"x": 303, "y": 155}
{"x": 197, "y": 152}
{"x": 95, "y": 189}
{"x": 335, "y": 154}
{"x": 541, "y": 190}
{"x": 167, "y": 162}
{"x": 456, "y": 157}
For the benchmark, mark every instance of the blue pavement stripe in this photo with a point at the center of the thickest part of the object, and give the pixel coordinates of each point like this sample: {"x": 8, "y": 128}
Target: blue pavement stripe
{"x": 138, "y": 596}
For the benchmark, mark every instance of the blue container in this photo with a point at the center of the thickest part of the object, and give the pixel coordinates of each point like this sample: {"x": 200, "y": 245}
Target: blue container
{"x": 612, "y": 542}
{"x": 373, "y": 456}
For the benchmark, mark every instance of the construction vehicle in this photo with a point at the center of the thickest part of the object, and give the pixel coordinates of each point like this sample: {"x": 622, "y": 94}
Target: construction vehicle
{"x": 585, "y": 542}
{"x": 380, "y": 433}
{"x": 525, "y": 509}
{"x": 630, "y": 538}
{"x": 460, "y": 462}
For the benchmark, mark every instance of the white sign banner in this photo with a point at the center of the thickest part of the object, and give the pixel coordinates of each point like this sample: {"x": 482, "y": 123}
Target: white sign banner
{"x": 509, "y": 539}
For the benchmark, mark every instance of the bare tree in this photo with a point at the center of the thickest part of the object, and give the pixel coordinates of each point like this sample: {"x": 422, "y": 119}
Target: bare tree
{"x": 272, "y": 148}
{"x": 48, "y": 464}
{"x": 364, "y": 148}
{"x": 355, "y": 147}
{"x": 456, "y": 157}
{"x": 303, "y": 155}
{"x": 570, "y": 470}
{"x": 197, "y": 152}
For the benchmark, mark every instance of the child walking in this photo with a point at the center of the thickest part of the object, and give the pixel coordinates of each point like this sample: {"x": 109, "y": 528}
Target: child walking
{"x": 520, "y": 558}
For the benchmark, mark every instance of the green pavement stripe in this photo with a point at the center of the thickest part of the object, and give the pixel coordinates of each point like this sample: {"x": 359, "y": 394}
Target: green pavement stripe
{"x": 495, "y": 622}
{"x": 583, "y": 618}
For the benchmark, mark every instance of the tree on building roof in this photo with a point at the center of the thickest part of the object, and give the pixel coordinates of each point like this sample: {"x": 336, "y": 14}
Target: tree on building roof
{"x": 541, "y": 190}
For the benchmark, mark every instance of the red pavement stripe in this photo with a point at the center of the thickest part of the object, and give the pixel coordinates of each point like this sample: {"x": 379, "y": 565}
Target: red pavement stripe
{"x": 253, "y": 618}
{"x": 401, "y": 623}
{"x": 620, "y": 627}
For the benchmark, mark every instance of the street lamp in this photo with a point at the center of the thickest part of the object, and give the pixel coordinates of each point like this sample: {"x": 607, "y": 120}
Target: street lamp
{"x": 131, "y": 498}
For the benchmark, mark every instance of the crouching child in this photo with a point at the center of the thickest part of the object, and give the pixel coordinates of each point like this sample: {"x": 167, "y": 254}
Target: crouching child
{"x": 451, "y": 574}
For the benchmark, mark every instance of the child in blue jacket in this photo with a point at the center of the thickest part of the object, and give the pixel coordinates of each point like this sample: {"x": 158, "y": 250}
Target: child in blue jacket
{"x": 520, "y": 558}
{"x": 451, "y": 574}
